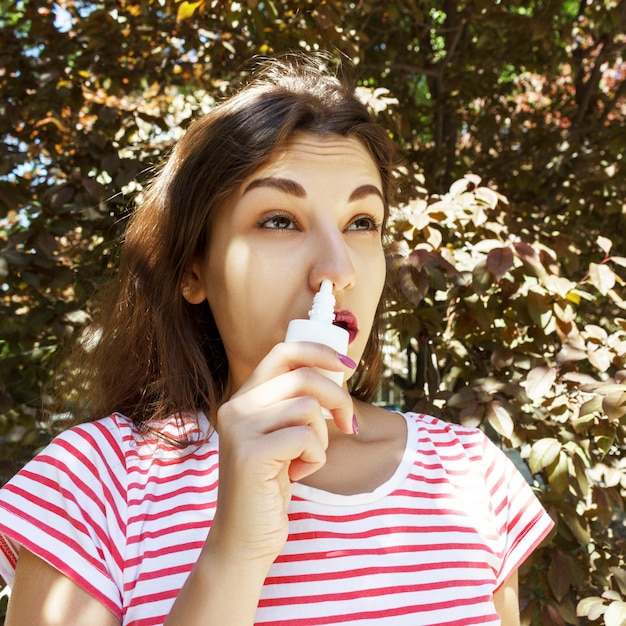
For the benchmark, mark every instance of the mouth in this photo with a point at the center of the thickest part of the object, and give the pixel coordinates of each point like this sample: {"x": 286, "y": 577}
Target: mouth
{"x": 347, "y": 321}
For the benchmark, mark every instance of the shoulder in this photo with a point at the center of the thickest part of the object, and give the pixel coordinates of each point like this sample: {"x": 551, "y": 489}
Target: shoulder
{"x": 442, "y": 433}
{"x": 459, "y": 448}
{"x": 118, "y": 439}
{"x": 106, "y": 440}
{"x": 115, "y": 429}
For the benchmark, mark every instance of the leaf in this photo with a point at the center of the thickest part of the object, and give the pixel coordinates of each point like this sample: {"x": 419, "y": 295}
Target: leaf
{"x": 577, "y": 525}
{"x": 604, "y": 436}
{"x": 459, "y": 186}
{"x": 500, "y": 419}
{"x": 481, "y": 277}
{"x": 601, "y": 359}
{"x": 602, "y": 277}
{"x": 614, "y": 405}
{"x": 500, "y": 261}
{"x": 605, "y": 243}
{"x": 611, "y": 595}
{"x": 593, "y": 605}
{"x": 550, "y": 616}
{"x": 62, "y": 197}
{"x": 462, "y": 398}
{"x": 488, "y": 196}
{"x": 559, "y": 574}
{"x": 94, "y": 188}
{"x": 570, "y": 353}
{"x": 558, "y": 473}
{"x": 615, "y": 615}
{"x": 539, "y": 309}
{"x": 597, "y": 611}
{"x": 529, "y": 257}
{"x": 414, "y": 285}
{"x": 558, "y": 285}
{"x": 543, "y": 452}
{"x": 187, "y": 9}
{"x": 539, "y": 382}
{"x": 472, "y": 414}
{"x": 580, "y": 474}
{"x": 619, "y": 574}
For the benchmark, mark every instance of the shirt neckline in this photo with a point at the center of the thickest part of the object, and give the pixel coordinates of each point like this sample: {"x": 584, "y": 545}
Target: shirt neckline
{"x": 312, "y": 494}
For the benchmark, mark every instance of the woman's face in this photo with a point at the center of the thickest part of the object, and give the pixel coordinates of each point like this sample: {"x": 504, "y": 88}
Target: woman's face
{"x": 313, "y": 212}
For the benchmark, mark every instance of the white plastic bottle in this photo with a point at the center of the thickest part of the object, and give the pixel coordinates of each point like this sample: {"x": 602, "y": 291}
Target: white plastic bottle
{"x": 319, "y": 328}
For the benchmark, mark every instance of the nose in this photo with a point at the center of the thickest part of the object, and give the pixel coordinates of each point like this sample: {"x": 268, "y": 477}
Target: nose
{"x": 332, "y": 259}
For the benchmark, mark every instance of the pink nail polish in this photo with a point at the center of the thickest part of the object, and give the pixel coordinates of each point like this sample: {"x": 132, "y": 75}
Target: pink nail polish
{"x": 355, "y": 425}
{"x": 347, "y": 361}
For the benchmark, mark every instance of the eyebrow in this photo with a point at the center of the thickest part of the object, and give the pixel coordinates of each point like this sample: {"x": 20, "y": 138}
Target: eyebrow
{"x": 291, "y": 187}
{"x": 285, "y": 185}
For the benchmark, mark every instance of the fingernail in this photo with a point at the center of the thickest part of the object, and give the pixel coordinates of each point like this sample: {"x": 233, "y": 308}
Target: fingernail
{"x": 355, "y": 425}
{"x": 347, "y": 361}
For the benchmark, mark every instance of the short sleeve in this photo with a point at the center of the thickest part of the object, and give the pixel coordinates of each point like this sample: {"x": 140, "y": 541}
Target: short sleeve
{"x": 68, "y": 507}
{"x": 522, "y": 522}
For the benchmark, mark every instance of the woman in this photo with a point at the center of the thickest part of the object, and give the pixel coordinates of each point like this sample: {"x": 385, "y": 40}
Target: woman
{"x": 370, "y": 517}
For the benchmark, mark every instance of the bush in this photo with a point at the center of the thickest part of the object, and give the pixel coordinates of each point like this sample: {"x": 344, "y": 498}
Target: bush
{"x": 499, "y": 334}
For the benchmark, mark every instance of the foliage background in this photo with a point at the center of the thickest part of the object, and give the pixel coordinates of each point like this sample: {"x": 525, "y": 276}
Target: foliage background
{"x": 508, "y": 261}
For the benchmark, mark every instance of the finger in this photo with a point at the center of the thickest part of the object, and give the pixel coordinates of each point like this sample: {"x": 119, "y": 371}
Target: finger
{"x": 299, "y": 383}
{"x": 299, "y": 446}
{"x": 285, "y": 357}
{"x": 296, "y": 411}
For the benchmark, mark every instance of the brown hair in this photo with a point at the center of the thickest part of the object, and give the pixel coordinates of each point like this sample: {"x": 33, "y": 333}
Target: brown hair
{"x": 155, "y": 354}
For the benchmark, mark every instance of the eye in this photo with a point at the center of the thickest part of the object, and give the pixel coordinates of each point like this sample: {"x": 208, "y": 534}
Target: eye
{"x": 278, "y": 221}
{"x": 365, "y": 223}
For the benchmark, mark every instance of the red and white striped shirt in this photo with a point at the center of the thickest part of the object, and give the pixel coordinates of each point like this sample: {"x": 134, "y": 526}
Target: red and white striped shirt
{"x": 125, "y": 516}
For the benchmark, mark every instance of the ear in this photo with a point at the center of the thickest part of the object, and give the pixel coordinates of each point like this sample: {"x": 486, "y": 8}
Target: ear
{"x": 191, "y": 285}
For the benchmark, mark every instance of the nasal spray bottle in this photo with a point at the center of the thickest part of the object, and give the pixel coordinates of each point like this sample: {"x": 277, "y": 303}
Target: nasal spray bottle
{"x": 319, "y": 328}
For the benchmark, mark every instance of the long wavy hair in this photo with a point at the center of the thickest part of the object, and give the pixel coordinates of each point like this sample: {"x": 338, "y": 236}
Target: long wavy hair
{"x": 154, "y": 354}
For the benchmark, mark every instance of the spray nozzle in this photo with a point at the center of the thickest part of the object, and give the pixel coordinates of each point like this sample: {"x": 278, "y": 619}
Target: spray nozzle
{"x": 323, "y": 310}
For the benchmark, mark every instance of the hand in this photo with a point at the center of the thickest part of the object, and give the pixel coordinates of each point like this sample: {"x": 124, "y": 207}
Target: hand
{"x": 272, "y": 432}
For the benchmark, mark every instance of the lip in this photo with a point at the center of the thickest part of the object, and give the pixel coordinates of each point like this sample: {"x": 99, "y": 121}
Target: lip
{"x": 345, "y": 319}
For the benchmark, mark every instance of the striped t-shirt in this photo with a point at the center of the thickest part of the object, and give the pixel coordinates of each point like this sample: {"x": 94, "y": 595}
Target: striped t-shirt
{"x": 125, "y": 516}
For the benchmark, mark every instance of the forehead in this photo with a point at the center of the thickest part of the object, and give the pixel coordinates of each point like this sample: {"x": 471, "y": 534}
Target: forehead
{"x": 321, "y": 152}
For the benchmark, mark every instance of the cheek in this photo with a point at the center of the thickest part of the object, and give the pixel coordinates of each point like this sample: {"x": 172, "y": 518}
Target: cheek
{"x": 245, "y": 288}
{"x": 377, "y": 275}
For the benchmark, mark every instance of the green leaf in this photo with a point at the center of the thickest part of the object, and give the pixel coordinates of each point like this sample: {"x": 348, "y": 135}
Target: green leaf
{"x": 542, "y": 453}
{"x": 604, "y": 436}
{"x": 558, "y": 473}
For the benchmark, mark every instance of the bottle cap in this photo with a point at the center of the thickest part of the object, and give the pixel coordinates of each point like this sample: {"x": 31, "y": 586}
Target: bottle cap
{"x": 323, "y": 310}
